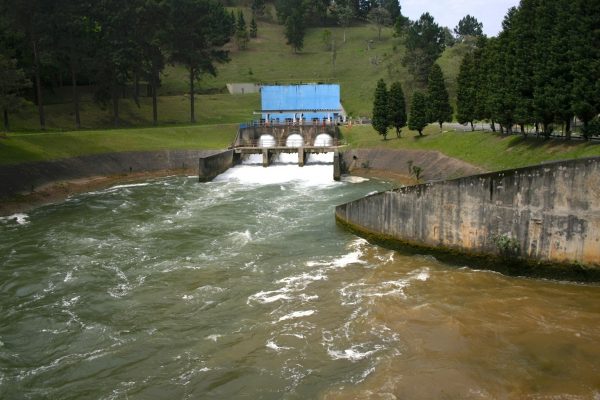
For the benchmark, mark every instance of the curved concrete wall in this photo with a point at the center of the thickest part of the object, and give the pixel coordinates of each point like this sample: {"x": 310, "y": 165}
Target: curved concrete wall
{"x": 26, "y": 177}
{"x": 548, "y": 213}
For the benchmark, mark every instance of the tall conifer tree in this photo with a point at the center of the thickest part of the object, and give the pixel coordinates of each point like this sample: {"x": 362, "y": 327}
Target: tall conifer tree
{"x": 380, "y": 120}
{"x": 440, "y": 110}
{"x": 397, "y": 108}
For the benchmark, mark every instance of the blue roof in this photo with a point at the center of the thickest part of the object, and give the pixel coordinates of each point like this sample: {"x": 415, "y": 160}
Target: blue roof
{"x": 301, "y": 97}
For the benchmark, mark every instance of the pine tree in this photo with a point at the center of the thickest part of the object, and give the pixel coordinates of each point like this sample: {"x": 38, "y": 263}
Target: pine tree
{"x": 253, "y": 28}
{"x": 466, "y": 92}
{"x": 440, "y": 110}
{"x": 258, "y": 8}
{"x": 295, "y": 29}
{"x": 241, "y": 32}
{"x": 380, "y": 120}
{"x": 417, "y": 119}
{"x": 397, "y": 108}
{"x": 12, "y": 82}
{"x": 468, "y": 26}
{"x": 424, "y": 44}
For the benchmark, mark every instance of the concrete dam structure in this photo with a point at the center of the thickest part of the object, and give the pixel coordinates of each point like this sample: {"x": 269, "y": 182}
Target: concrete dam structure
{"x": 540, "y": 215}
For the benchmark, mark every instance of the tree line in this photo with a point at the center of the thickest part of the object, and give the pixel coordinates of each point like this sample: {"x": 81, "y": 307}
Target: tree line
{"x": 432, "y": 105}
{"x": 542, "y": 70}
{"x": 109, "y": 45}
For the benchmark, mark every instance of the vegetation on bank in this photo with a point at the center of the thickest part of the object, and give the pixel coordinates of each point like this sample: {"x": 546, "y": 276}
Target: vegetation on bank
{"x": 491, "y": 151}
{"x": 18, "y": 148}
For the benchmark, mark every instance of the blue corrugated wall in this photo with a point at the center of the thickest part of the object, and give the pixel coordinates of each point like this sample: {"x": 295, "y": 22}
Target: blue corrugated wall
{"x": 300, "y": 97}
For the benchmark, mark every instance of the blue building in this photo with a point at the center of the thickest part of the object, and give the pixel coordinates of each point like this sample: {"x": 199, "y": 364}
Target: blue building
{"x": 303, "y": 104}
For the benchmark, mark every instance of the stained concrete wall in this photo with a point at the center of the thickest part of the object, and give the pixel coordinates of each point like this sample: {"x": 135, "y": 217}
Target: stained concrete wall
{"x": 26, "y": 177}
{"x": 552, "y": 211}
{"x": 212, "y": 165}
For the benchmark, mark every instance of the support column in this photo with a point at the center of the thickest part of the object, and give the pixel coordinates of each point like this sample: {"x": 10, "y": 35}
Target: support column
{"x": 301, "y": 156}
{"x": 337, "y": 173}
{"x": 266, "y": 158}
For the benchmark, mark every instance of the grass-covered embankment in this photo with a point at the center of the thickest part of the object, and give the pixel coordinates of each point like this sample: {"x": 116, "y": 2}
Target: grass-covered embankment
{"x": 487, "y": 150}
{"x": 18, "y": 148}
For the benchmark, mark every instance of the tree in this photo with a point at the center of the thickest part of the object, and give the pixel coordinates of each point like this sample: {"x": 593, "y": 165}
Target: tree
{"x": 295, "y": 29}
{"x": 13, "y": 81}
{"x": 449, "y": 39}
{"x": 466, "y": 93}
{"x": 417, "y": 119}
{"x": 326, "y": 39}
{"x": 115, "y": 52}
{"x": 197, "y": 31}
{"x": 253, "y": 28}
{"x": 29, "y": 18}
{"x": 380, "y": 17}
{"x": 258, "y": 8}
{"x": 241, "y": 32}
{"x": 380, "y": 120}
{"x": 401, "y": 26}
{"x": 468, "y": 26}
{"x": 424, "y": 44}
{"x": 72, "y": 42}
{"x": 392, "y": 7}
{"x": 345, "y": 14}
{"x": 397, "y": 107}
{"x": 440, "y": 110}
{"x": 150, "y": 38}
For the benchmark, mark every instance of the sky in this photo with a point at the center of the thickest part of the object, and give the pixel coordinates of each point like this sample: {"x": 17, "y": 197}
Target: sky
{"x": 449, "y": 12}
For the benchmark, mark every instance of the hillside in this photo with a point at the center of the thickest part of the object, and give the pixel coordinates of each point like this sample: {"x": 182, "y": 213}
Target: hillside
{"x": 360, "y": 62}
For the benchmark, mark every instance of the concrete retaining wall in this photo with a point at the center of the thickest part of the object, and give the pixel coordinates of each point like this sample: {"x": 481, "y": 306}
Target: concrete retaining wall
{"x": 211, "y": 166}
{"x": 26, "y": 177}
{"x": 548, "y": 213}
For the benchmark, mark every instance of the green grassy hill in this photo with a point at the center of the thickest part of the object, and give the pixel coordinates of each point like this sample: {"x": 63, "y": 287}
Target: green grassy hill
{"x": 268, "y": 60}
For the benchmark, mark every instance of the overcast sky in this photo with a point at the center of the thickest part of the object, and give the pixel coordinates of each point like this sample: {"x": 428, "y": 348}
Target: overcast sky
{"x": 449, "y": 12}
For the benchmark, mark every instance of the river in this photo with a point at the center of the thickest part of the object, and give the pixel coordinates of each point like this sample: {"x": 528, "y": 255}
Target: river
{"x": 245, "y": 288}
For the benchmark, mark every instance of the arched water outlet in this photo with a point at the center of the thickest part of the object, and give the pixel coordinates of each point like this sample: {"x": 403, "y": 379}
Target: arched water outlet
{"x": 266, "y": 141}
{"x": 294, "y": 140}
{"x": 324, "y": 140}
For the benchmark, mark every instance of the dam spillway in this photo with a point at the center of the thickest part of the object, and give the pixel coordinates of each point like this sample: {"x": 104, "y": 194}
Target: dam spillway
{"x": 270, "y": 140}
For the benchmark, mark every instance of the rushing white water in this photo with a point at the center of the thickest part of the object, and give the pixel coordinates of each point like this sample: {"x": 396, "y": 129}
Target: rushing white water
{"x": 318, "y": 171}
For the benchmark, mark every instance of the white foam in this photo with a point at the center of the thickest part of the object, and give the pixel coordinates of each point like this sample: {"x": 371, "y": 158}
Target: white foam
{"x": 348, "y": 259}
{"x": 303, "y": 279}
{"x": 273, "y": 346}
{"x": 269, "y": 296}
{"x": 240, "y": 238}
{"x": 297, "y": 314}
{"x": 326, "y": 158}
{"x": 352, "y": 354}
{"x": 214, "y": 338}
{"x": 129, "y": 185}
{"x": 309, "y": 175}
{"x": 353, "y": 179}
{"x": 19, "y": 218}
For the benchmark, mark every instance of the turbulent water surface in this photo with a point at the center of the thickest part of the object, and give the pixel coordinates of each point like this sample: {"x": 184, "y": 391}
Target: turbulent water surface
{"x": 245, "y": 288}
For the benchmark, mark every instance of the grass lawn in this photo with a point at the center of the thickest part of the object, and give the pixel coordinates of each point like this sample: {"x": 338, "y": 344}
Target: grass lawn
{"x": 25, "y": 147}
{"x": 490, "y": 151}
{"x": 210, "y": 109}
